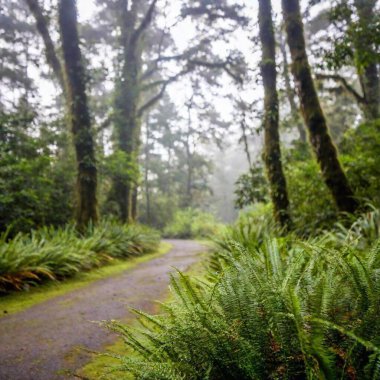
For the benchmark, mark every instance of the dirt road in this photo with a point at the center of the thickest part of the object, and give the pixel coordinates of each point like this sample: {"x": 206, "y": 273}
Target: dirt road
{"x": 43, "y": 342}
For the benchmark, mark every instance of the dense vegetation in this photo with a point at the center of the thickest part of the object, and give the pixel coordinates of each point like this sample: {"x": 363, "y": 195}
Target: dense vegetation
{"x": 271, "y": 308}
{"x": 49, "y": 253}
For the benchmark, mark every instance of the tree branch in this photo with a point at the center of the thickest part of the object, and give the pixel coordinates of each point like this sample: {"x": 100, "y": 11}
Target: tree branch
{"x": 217, "y": 65}
{"x": 337, "y": 78}
{"x": 215, "y": 13}
{"x": 165, "y": 83}
{"x": 50, "y": 52}
{"x": 145, "y": 22}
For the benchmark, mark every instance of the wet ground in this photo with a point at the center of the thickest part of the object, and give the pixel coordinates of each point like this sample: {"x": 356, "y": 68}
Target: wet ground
{"x": 46, "y": 341}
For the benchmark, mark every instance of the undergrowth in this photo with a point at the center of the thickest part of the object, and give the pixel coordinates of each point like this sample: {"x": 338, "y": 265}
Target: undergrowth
{"x": 270, "y": 308}
{"x": 51, "y": 253}
{"x": 192, "y": 223}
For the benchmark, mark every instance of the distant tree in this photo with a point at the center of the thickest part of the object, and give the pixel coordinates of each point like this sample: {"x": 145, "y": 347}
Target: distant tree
{"x": 272, "y": 150}
{"x": 324, "y": 149}
{"x": 354, "y": 39}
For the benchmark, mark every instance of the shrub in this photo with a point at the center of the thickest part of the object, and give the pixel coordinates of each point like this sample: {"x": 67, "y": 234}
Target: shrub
{"x": 51, "y": 253}
{"x": 278, "y": 309}
{"x": 361, "y": 158}
{"x": 192, "y": 223}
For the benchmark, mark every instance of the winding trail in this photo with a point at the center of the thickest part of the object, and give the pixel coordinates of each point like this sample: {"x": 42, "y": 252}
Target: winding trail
{"x": 45, "y": 341}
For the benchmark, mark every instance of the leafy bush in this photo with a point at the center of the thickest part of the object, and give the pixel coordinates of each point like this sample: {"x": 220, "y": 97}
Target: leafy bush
{"x": 280, "y": 309}
{"x": 36, "y": 186}
{"x": 361, "y": 158}
{"x": 363, "y": 231}
{"x": 192, "y": 223}
{"x": 58, "y": 253}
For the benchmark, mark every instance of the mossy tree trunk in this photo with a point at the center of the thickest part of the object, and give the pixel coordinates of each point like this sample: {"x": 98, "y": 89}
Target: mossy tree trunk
{"x": 78, "y": 114}
{"x": 366, "y": 60}
{"x": 272, "y": 154}
{"x": 315, "y": 120}
{"x": 127, "y": 115}
{"x": 127, "y": 128}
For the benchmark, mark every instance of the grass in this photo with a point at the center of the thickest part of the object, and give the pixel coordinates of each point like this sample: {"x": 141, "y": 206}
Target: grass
{"x": 15, "y": 302}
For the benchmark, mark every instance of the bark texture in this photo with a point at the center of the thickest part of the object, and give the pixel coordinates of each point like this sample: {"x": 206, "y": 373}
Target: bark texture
{"x": 78, "y": 114}
{"x": 315, "y": 120}
{"x": 272, "y": 154}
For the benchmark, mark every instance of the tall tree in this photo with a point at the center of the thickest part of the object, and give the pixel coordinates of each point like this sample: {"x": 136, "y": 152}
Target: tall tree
{"x": 127, "y": 115}
{"x": 78, "y": 114}
{"x": 320, "y": 139}
{"x": 272, "y": 153}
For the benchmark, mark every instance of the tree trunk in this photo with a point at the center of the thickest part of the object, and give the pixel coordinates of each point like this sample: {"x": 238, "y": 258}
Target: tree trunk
{"x": 147, "y": 168}
{"x": 272, "y": 155}
{"x": 79, "y": 117}
{"x": 290, "y": 93}
{"x": 188, "y": 201}
{"x": 135, "y": 194}
{"x": 368, "y": 73}
{"x": 126, "y": 116}
{"x": 315, "y": 121}
{"x": 126, "y": 122}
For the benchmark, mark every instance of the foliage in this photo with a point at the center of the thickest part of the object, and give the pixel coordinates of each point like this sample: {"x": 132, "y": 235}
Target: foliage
{"x": 163, "y": 208}
{"x": 51, "y": 253}
{"x": 251, "y": 187}
{"x": 358, "y": 35}
{"x": 312, "y": 206}
{"x": 284, "y": 308}
{"x": 35, "y": 188}
{"x": 362, "y": 232}
{"x": 192, "y": 223}
{"x": 361, "y": 157}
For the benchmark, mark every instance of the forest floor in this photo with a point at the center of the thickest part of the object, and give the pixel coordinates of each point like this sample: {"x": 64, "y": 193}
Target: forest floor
{"x": 52, "y": 339}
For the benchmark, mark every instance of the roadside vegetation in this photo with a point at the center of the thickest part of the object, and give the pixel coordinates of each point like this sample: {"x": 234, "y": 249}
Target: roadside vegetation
{"x": 192, "y": 224}
{"x": 56, "y": 254}
{"x": 269, "y": 308}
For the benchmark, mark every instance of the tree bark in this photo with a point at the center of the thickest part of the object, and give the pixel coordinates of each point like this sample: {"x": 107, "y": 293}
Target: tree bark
{"x": 368, "y": 73}
{"x": 272, "y": 154}
{"x": 290, "y": 93}
{"x": 324, "y": 149}
{"x": 127, "y": 126}
{"x": 147, "y": 169}
{"x": 127, "y": 118}
{"x": 79, "y": 116}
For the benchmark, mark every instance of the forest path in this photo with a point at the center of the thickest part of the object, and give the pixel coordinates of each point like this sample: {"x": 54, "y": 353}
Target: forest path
{"x": 45, "y": 341}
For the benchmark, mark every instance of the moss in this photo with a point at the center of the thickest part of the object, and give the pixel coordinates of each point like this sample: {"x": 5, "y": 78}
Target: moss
{"x": 16, "y": 302}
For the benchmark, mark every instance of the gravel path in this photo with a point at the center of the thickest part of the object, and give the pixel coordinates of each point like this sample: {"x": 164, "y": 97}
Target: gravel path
{"x": 43, "y": 342}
